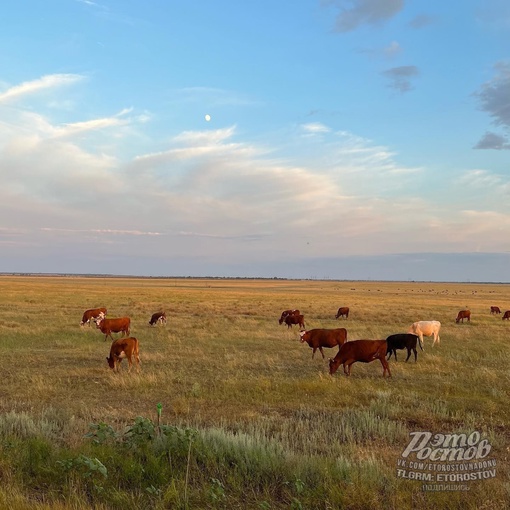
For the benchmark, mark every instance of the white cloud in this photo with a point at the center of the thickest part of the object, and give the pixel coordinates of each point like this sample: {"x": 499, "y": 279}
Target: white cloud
{"x": 314, "y": 128}
{"x": 50, "y": 81}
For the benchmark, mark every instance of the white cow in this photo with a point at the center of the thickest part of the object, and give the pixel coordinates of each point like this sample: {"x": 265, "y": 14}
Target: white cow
{"x": 427, "y": 328}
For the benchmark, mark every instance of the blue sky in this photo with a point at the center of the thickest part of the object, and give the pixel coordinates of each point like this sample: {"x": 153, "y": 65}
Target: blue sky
{"x": 347, "y": 139}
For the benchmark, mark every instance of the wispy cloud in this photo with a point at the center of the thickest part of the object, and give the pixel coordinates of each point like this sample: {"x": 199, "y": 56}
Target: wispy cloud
{"x": 313, "y": 128}
{"x": 101, "y": 231}
{"x": 93, "y": 125}
{"x": 32, "y": 87}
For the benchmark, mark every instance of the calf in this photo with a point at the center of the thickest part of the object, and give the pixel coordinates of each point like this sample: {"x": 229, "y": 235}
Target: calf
{"x": 463, "y": 314}
{"x": 364, "y": 351}
{"x": 124, "y": 348}
{"x": 319, "y": 338}
{"x": 158, "y": 317}
{"x": 295, "y": 319}
{"x": 286, "y": 313}
{"x": 109, "y": 326}
{"x": 506, "y": 315}
{"x": 343, "y": 311}
{"x": 495, "y": 309}
{"x": 92, "y": 315}
{"x": 402, "y": 341}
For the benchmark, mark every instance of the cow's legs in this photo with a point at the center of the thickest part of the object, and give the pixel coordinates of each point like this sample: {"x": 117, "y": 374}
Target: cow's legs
{"x": 385, "y": 365}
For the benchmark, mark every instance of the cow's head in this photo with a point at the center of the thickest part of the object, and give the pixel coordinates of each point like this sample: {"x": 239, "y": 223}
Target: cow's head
{"x": 111, "y": 362}
{"x": 98, "y": 321}
{"x": 333, "y": 365}
{"x": 302, "y": 335}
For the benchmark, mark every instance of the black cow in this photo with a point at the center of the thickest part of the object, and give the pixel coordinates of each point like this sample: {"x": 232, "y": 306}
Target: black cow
{"x": 402, "y": 341}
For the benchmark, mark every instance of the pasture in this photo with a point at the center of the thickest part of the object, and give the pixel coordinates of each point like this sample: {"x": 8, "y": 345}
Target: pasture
{"x": 248, "y": 419}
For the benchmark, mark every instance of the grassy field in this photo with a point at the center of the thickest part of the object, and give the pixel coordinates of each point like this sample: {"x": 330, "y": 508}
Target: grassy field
{"x": 248, "y": 420}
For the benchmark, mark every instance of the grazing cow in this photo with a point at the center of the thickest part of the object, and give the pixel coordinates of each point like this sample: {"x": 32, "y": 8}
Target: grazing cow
{"x": 295, "y": 319}
{"x": 402, "y": 341}
{"x": 124, "y": 348}
{"x": 109, "y": 326}
{"x": 463, "y": 314}
{"x": 319, "y": 338}
{"x": 495, "y": 309}
{"x": 343, "y": 311}
{"x": 92, "y": 315}
{"x": 364, "y": 351}
{"x": 506, "y": 315}
{"x": 286, "y": 313}
{"x": 158, "y": 317}
{"x": 426, "y": 328}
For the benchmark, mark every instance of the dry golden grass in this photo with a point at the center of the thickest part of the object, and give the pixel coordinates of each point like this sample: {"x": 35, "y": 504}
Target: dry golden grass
{"x": 222, "y": 361}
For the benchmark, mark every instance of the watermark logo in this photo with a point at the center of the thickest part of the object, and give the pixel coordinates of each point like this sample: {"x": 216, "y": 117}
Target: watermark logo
{"x": 446, "y": 462}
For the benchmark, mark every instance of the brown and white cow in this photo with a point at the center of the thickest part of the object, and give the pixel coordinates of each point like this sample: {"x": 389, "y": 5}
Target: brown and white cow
{"x": 286, "y": 313}
{"x": 124, "y": 348}
{"x": 463, "y": 314}
{"x": 92, "y": 315}
{"x": 295, "y": 319}
{"x": 426, "y": 328}
{"x": 506, "y": 315}
{"x": 158, "y": 317}
{"x": 109, "y": 326}
{"x": 363, "y": 351}
{"x": 343, "y": 311}
{"x": 495, "y": 310}
{"x": 319, "y": 338}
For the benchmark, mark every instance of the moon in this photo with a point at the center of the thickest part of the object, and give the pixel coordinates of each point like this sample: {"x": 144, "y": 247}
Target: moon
{"x": 207, "y": 117}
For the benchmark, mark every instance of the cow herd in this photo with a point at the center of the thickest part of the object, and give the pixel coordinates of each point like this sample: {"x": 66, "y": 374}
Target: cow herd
{"x": 124, "y": 347}
{"x": 366, "y": 351}
{"x": 349, "y": 352}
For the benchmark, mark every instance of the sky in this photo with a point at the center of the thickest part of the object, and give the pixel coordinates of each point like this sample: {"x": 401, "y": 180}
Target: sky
{"x": 336, "y": 139}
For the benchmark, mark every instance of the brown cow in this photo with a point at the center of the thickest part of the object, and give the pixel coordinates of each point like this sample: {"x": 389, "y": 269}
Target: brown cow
{"x": 286, "y": 313}
{"x": 495, "y": 309}
{"x": 343, "y": 311}
{"x": 158, "y": 317}
{"x": 92, "y": 315}
{"x": 506, "y": 315}
{"x": 463, "y": 314}
{"x": 109, "y": 326}
{"x": 124, "y": 348}
{"x": 295, "y": 319}
{"x": 364, "y": 351}
{"x": 319, "y": 338}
